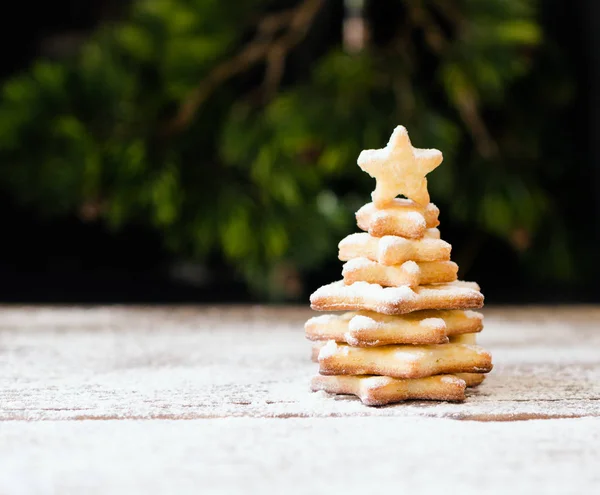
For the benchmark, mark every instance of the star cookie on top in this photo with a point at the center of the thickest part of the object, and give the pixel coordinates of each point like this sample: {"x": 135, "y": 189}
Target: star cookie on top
{"x": 399, "y": 169}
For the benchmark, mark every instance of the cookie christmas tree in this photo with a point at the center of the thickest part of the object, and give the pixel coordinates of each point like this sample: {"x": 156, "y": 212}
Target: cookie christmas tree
{"x": 409, "y": 331}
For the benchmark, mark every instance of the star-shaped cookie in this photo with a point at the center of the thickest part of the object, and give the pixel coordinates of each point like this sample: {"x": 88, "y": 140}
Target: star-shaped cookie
{"x": 399, "y": 169}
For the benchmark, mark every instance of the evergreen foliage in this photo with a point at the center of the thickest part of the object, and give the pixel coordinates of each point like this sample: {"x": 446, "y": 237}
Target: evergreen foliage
{"x": 182, "y": 117}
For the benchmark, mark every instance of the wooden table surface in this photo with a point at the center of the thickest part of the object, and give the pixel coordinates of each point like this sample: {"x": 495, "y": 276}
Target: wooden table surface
{"x": 216, "y": 400}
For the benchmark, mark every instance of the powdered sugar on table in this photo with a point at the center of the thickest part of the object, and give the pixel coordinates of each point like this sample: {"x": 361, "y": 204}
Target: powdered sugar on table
{"x": 252, "y": 363}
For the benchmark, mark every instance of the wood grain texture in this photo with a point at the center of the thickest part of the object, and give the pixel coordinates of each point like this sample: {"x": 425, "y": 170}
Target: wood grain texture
{"x": 239, "y": 376}
{"x": 113, "y": 363}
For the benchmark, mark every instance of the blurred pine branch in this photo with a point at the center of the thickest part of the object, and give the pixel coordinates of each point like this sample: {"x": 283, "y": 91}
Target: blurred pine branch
{"x": 181, "y": 117}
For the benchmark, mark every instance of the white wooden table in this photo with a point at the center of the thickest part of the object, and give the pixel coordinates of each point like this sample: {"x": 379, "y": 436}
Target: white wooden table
{"x": 216, "y": 400}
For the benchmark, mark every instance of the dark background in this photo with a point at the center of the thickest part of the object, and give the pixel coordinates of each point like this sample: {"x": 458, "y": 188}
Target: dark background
{"x": 68, "y": 260}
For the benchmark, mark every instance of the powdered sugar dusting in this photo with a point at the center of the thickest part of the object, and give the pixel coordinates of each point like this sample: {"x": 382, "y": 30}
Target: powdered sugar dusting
{"x": 358, "y": 238}
{"x": 393, "y": 295}
{"x": 252, "y": 361}
{"x": 411, "y": 267}
{"x": 357, "y": 264}
{"x": 434, "y": 323}
{"x": 416, "y": 218}
{"x": 322, "y": 319}
{"x": 328, "y": 350}
{"x": 388, "y": 242}
{"x": 364, "y": 289}
{"x": 361, "y": 321}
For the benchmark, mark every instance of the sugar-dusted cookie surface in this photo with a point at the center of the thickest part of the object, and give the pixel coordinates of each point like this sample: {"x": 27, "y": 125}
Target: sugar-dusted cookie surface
{"x": 401, "y": 217}
{"x": 363, "y": 296}
{"x": 399, "y": 168}
{"x": 366, "y": 328}
{"x": 409, "y": 273}
{"x": 382, "y": 390}
{"x": 403, "y": 361}
{"x": 471, "y": 379}
{"x": 394, "y": 250}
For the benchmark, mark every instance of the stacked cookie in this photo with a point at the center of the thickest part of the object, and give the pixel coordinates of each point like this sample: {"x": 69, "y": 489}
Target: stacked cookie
{"x": 410, "y": 330}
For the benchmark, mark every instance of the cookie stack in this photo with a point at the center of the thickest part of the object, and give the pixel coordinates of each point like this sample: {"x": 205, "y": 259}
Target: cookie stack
{"x": 410, "y": 330}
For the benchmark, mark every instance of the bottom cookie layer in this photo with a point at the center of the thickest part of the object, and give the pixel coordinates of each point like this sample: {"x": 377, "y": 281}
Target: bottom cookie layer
{"x": 382, "y": 390}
